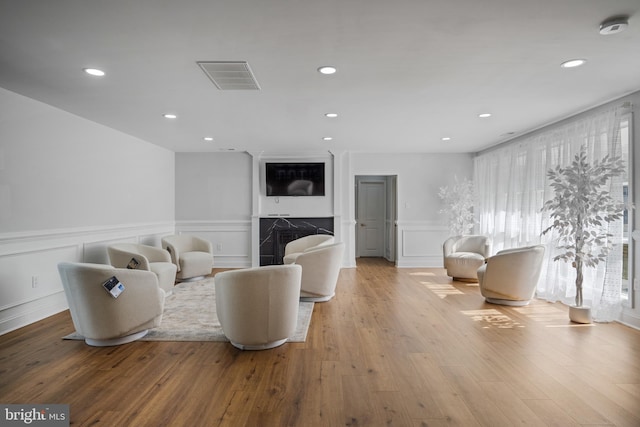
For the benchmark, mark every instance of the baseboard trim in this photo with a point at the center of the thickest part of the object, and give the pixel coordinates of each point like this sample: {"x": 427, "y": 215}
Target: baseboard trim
{"x": 630, "y": 319}
{"x": 434, "y": 261}
{"x": 30, "y": 312}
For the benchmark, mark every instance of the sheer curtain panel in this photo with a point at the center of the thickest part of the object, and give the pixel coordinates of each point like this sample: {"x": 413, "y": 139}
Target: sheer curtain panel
{"x": 511, "y": 185}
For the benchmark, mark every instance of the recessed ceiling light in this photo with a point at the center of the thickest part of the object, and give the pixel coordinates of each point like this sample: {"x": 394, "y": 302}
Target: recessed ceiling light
{"x": 208, "y": 138}
{"x": 327, "y": 69}
{"x": 484, "y": 115}
{"x": 614, "y": 25}
{"x": 169, "y": 116}
{"x": 327, "y": 138}
{"x": 331, "y": 115}
{"x": 573, "y": 63}
{"x": 446, "y": 138}
{"x": 94, "y": 72}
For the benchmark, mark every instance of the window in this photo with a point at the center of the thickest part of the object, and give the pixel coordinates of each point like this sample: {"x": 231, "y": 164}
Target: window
{"x": 627, "y": 256}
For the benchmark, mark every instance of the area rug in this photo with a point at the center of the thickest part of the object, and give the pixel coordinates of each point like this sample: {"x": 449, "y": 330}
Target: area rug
{"x": 190, "y": 315}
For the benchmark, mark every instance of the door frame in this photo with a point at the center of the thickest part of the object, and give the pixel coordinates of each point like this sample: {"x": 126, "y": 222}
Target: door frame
{"x": 390, "y": 240}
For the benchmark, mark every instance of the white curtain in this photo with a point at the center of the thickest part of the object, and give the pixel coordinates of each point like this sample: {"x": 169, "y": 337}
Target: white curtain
{"x": 511, "y": 185}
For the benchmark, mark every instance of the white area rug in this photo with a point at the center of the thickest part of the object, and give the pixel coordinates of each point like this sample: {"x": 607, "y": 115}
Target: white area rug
{"x": 190, "y": 315}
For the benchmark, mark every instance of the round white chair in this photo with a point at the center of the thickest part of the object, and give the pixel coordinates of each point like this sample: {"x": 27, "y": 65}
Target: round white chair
{"x": 258, "y": 307}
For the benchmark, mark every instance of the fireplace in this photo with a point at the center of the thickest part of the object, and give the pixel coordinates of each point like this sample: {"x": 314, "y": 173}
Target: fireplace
{"x": 275, "y": 233}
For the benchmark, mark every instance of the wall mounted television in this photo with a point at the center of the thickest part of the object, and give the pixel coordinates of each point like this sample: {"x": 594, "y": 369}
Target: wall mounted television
{"x": 294, "y": 179}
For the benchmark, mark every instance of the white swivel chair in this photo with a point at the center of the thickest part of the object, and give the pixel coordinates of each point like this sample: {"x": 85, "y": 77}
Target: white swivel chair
{"x": 463, "y": 255}
{"x": 258, "y": 307}
{"x": 510, "y": 277}
{"x": 320, "y": 270}
{"x": 144, "y": 257}
{"x": 102, "y": 319}
{"x": 295, "y": 247}
{"x": 192, "y": 255}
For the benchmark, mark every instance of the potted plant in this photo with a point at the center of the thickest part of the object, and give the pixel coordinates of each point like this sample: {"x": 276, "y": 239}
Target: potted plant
{"x": 579, "y": 209}
{"x": 458, "y": 206}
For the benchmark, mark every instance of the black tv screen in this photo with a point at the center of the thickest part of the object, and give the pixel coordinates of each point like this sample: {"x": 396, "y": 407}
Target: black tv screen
{"x": 294, "y": 179}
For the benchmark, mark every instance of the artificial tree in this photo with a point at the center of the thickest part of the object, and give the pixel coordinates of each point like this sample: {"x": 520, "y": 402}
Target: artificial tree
{"x": 458, "y": 206}
{"x": 580, "y": 208}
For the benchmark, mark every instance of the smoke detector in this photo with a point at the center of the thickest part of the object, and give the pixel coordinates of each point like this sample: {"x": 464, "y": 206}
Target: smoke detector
{"x": 614, "y": 25}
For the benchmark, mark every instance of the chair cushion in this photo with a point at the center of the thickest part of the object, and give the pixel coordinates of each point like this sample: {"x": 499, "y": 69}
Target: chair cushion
{"x": 193, "y": 264}
{"x": 464, "y": 265}
{"x": 466, "y": 257}
{"x": 166, "y": 273}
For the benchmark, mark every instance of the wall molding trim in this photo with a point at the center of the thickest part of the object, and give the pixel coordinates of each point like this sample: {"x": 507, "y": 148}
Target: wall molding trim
{"x": 231, "y": 239}
{"x": 29, "y": 260}
{"x": 629, "y": 318}
{"x": 420, "y": 244}
{"x": 27, "y": 241}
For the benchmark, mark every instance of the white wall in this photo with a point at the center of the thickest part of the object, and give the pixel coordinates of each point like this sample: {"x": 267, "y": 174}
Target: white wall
{"x": 214, "y": 201}
{"x": 206, "y": 181}
{"x": 221, "y": 196}
{"x": 213, "y": 186}
{"x": 420, "y": 228}
{"x": 68, "y": 187}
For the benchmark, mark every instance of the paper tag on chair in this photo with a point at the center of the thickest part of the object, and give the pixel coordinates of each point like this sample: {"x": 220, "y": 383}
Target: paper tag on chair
{"x": 113, "y": 286}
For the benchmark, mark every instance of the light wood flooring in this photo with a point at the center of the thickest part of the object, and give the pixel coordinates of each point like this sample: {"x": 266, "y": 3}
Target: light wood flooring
{"x": 395, "y": 347}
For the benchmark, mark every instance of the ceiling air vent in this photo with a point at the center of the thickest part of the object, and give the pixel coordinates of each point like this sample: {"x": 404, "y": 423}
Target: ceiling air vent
{"x": 230, "y": 75}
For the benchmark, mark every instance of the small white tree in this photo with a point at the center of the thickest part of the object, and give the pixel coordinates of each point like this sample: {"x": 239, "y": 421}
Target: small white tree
{"x": 458, "y": 206}
{"x": 579, "y": 210}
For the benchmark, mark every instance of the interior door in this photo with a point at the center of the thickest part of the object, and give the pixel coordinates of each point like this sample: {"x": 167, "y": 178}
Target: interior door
{"x": 371, "y": 218}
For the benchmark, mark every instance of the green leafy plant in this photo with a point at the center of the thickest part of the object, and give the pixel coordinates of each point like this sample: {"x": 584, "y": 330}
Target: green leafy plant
{"x": 580, "y": 208}
{"x": 458, "y": 206}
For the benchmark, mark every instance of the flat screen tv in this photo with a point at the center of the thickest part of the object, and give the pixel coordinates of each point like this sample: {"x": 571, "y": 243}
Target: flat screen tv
{"x": 294, "y": 179}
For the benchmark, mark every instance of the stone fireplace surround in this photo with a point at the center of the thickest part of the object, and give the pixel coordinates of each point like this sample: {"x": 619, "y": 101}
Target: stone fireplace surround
{"x": 276, "y": 232}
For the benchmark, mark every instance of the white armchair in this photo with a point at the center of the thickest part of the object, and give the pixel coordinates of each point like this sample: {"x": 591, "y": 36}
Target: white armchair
{"x": 320, "y": 270}
{"x": 295, "y": 247}
{"x": 102, "y": 319}
{"x": 258, "y": 307}
{"x": 192, "y": 255}
{"x": 463, "y": 255}
{"x": 144, "y": 257}
{"x": 510, "y": 277}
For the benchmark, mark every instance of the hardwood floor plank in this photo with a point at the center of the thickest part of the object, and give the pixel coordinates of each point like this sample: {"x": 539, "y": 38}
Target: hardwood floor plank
{"x": 507, "y": 402}
{"x": 550, "y": 413}
{"x": 484, "y": 409}
{"x": 358, "y": 407}
{"x": 394, "y": 347}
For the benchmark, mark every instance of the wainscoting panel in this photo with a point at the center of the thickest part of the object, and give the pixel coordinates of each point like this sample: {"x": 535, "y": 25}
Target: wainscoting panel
{"x": 421, "y": 244}
{"x": 30, "y": 286}
{"x": 231, "y": 240}
{"x": 347, "y": 234}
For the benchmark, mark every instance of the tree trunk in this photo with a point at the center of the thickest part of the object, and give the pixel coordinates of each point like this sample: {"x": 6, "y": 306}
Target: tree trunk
{"x": 579, "y": 237}
{"x": 579, "y": 279}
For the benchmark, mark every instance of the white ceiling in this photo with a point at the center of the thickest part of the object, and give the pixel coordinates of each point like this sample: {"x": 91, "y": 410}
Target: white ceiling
{"x": 409, "y": 72}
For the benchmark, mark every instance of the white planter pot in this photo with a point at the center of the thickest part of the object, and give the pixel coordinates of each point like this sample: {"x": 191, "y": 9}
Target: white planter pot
{"x": 580, "y": 314}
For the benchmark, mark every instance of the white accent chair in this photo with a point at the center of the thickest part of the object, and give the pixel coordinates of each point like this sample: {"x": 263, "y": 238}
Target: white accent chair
{"x": 510, "y": 277}
{"x": 258, "y": 307}
{"x": 144, "y": 257}
{"x": 320, "y": 270}
{"x": 463, "y": 255}
{"x": 102, "y": 319}
{"x": 192, "y": 255}
{"x": 295, "y": 247}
